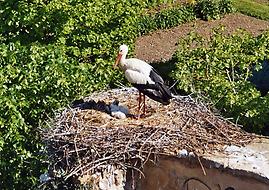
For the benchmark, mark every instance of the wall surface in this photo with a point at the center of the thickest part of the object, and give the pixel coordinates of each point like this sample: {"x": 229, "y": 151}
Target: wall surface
{"x": 186, "y": 174}
{"x": 253, "y": 158}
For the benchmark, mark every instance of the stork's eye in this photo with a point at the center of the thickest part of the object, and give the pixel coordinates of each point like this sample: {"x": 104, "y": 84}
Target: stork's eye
{"x": 121, "y": 50}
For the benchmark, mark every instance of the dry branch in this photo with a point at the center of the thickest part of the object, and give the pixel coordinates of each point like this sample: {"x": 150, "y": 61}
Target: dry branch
{"x": 81, "y": 141}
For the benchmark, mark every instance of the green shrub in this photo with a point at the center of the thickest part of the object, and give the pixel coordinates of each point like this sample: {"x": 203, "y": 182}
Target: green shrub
{"x": 204, "y": 9}
{"x": 166, "y": 19}
{"x": 35, "y": 80}
{"x": 220, "y": 69}
{"x": 213, "y": 9}
{"x": 252, "y": 8}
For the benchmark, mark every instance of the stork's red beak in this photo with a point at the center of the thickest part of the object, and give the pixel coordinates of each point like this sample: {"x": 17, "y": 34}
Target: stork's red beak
{"x": 117, "y": 60}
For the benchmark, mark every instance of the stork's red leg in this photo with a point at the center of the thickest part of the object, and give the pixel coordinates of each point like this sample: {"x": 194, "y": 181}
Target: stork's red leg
{"x": 144, "y": 108}
{"x": 140, "y": 107}
{"x": 139, "y": 103}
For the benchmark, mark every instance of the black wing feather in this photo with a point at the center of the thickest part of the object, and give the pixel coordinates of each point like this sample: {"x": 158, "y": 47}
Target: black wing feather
{"x": 157, "y": 91}
{"x": 155, "y": 77}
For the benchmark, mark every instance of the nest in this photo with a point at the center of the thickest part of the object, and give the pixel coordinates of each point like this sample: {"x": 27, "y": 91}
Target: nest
{"x": 82, "y": 141}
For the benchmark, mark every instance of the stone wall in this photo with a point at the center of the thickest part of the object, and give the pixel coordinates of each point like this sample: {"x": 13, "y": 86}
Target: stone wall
{"x": 170, "y": 173}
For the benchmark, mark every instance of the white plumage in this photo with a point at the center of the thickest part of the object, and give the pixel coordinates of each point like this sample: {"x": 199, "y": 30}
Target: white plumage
{"x": 118, "y": 111}
{"x": 143, "y": 76}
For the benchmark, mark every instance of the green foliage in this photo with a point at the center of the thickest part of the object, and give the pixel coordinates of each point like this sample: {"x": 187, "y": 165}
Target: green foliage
{"x": 35, "y": 81}
{"x": 204, "y": 9}
{"x": 53, "y": 51}
{"x": 252, "y": 8}
{"x": 219, "y": 70}
{"x": 166, "y": 19}
{"x": 213, "y": 9}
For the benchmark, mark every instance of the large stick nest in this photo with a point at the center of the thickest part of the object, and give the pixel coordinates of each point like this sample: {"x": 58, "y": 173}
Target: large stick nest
{"x": 82, "y": 141}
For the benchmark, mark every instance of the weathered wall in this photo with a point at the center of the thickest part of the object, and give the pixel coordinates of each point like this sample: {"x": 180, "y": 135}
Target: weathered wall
{"x": 186, "y": 174}
{"x": 236, "y": 168}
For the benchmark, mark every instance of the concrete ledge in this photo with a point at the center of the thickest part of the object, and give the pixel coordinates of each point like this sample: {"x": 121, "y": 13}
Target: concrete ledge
{"x": 236, "y": 169}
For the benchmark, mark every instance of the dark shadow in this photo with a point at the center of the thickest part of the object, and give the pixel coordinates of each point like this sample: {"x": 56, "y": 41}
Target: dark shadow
{"x": 102, "y": 106}
{"x": 265, "y": 130}
{"x": 229, "y": 188}
{"x": 260, "y": 78}
{"x": 99, "y": 106}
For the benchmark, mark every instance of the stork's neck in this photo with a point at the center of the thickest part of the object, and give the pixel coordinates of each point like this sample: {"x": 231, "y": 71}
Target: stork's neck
{"x": 123, "y": 60}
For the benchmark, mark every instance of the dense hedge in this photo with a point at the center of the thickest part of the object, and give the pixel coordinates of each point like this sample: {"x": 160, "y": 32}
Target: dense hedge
{"x": 203, "y": 9}
{"x": 53, "y": 51}
{"x": 166, "y": 18}
{"x": 258, "y": 9}
{"x": 220, "y": 70}
{"x": 213, "y": 9}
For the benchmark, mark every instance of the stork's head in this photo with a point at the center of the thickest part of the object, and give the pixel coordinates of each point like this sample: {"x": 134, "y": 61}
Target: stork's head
{"x": 123, "y": 50}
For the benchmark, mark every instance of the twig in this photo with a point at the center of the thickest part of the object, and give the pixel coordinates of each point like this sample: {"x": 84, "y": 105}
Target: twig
{"x": 201, "y": 165}
{"x": 76, "y": 149}
{"x": 217, "y": 128}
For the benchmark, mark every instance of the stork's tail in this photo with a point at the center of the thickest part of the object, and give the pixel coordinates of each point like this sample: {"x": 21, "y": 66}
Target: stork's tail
{"x": 165, "y": 92}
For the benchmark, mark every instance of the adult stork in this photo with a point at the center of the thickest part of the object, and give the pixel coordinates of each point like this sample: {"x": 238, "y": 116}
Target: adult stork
{"x": 143, "y": 77}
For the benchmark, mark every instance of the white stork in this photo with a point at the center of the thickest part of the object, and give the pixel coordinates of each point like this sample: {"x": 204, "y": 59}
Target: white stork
{"x": 144, "y": 77}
